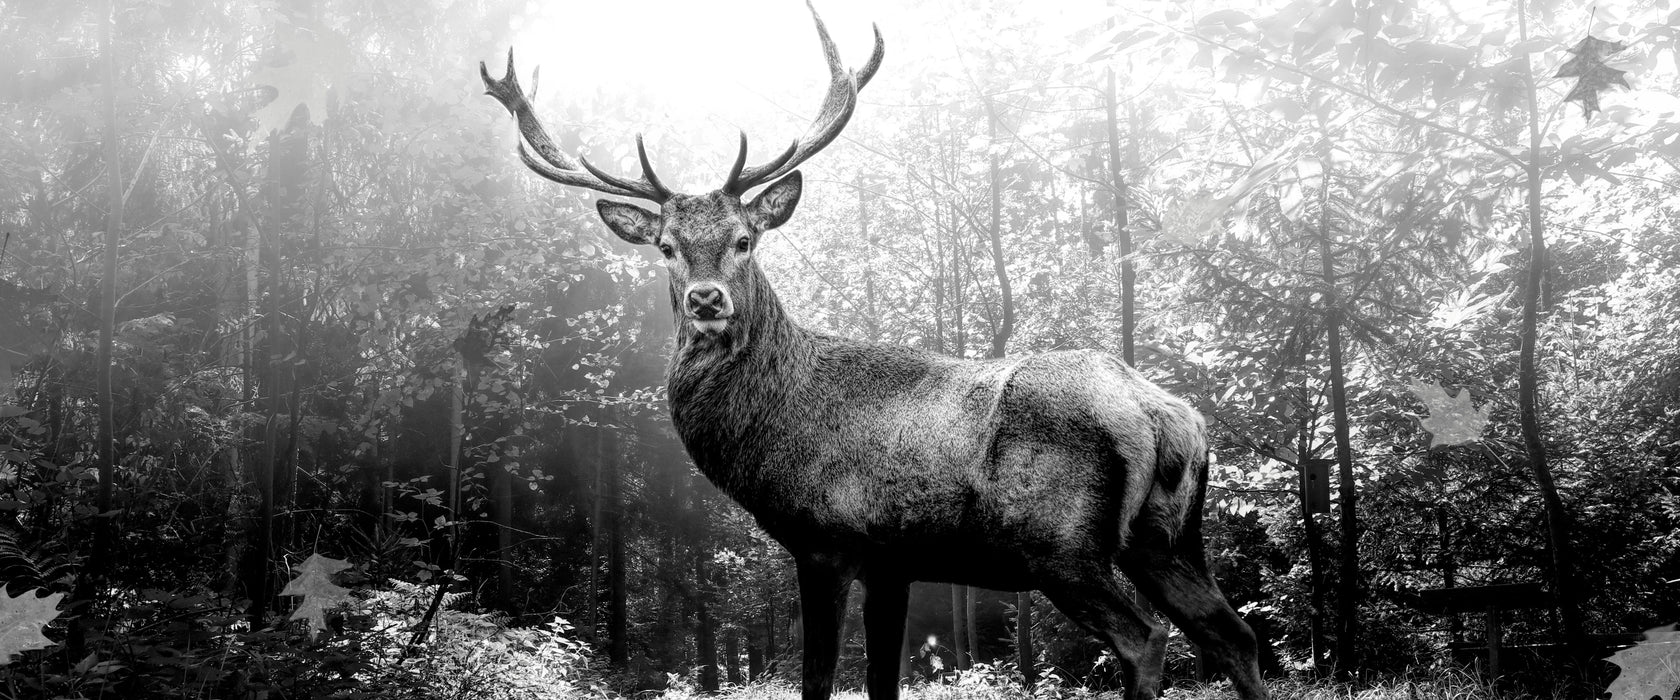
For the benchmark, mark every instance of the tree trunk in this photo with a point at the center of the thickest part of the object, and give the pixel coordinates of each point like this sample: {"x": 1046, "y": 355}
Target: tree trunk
{"x": 1000, "y": 337}
{"x": 1024, "y": 654}
{"x": 1315, "y": 550}
{"x": 958, "y": 628}
{"x": 1348, "y": 588}
{"x": 1558, "y": 519}
{"x": 618, "y": 641}
{"x": 972, "y": 637}
{"x": 732, "y": 655}
{"x": 755, "y": 656}
{"x": 1128, "y": 272}
{"x": 104, "y": 530}
{"x": 872, "y": 316}
{"x": 502, "y": 483}
{"x": 592, "y": 613}
{"x": 705, "y": 633}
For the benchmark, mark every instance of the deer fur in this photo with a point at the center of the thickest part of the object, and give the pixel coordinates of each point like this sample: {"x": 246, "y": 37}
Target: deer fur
{"x": 891, "y": 464}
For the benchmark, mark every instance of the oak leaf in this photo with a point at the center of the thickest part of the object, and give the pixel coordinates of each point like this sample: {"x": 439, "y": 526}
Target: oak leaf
{"x": 1650, "y": 668}
{"x": 1452, "y": 420}
{"x": 314, "y": 584}
{"x": 21, "y": 620}
{"x": 1592, "y": 75}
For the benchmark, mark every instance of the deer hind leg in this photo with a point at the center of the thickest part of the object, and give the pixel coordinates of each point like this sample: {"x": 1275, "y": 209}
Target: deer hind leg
{"x": 1097, "y": 603}
{"x": 1179, "y": 584}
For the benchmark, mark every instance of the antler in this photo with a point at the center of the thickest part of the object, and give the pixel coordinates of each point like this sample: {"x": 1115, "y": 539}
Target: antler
{"x": 558, "y": 166}
{"x": 836, "y": 110}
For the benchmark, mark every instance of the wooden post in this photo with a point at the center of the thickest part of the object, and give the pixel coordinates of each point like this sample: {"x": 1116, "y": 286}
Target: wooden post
{"x": 1493, "y": 639}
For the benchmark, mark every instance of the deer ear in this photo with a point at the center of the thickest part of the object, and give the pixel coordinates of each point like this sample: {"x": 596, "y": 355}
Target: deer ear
{"x": 774, "y": 206}
{"x": 630, "y": 222}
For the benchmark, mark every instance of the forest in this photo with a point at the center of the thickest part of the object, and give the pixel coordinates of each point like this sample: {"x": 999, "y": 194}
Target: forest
{"x": 310, "y": 388}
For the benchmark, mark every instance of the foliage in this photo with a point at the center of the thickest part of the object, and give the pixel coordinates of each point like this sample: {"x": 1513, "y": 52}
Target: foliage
{"x": 1649, "y": 668}
{"x": 21, "y": 619}
{"x": 299, "y": 284}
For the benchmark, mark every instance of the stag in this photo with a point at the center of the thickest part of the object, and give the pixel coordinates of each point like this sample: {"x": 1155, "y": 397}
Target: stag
{"x": 887, "y": 464}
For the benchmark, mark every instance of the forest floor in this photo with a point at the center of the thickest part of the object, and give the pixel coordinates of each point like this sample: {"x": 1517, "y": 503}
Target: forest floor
{"x": 1452, "y": 686}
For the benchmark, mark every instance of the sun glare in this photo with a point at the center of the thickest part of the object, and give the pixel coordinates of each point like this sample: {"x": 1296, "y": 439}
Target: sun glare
{"x": 697, "y": 72}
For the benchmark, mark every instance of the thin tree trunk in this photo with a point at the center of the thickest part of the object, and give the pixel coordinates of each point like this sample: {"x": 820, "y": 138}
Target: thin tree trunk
{"x": 973, "y": 636}
{"x": 593, "y": 595}
{"x": 1558, "y": 519}
{"x": 1315, "y": 550}
{"x": 705, "y": 633}
{"x": 1348, "y": 588}
{"x": 503, "y": 494}
{"x": 618, "y": 641}
{"x": 1128, "y": 272}
{"x": 1000, "y": 338}
{"x": 872, "y": 317}
{"x": 732, "y": 655}
{"x": 93, "y": 572}
{"x": 958, "y": 629}
{"x": 1024, "y": 655}
{"x": 755, "y": 655}
{"x": 457, "y": 427}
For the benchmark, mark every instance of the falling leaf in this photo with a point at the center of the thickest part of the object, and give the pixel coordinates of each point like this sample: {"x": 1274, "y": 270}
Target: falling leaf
{"x": 1592, "y": 74}
{"x": 314, "y": 583}
{"x": 318, "y": 58}
{"x": 21, "y": 620}
{"x": 1452, "y": 419}
{"x": 1650, "y": 668}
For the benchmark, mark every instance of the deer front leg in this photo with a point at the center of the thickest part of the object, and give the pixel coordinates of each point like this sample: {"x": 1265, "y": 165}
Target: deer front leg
{"x": 884, "y": 604}
{"x": 824, "y": 586}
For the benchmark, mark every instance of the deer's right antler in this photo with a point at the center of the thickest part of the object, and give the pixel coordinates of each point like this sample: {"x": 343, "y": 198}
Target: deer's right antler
{"x": 837, "y": 109}
{"x": 558, "y": 166}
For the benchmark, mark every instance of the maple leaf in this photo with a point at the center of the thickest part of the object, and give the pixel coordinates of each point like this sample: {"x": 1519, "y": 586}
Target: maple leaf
{"x": 318, "y": 56}
{"x": 21, "y": 620}
{"x": 1591, "y": 73}
{"x": 314, "y": 583}
{"x": 1650, "y": 668}
{"x": 1452, "y": 419}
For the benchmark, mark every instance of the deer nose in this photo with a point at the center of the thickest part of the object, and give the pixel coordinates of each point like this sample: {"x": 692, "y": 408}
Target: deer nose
{"x": 707, "y": 301}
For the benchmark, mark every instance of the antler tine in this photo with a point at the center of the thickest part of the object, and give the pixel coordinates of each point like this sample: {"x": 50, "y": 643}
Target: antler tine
{"x": 737, "y": 186}
{"x": 647, "y": 170}
{"x": 837, "y": 109}
{"x": 555, "y": 165}
{"x": 735, "y": 170}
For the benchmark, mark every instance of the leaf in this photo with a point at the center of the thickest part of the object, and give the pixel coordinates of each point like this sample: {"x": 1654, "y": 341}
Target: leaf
{"x": 314, "y": 583}
{"x": 1650, "y": 668}
{"x": 21, "y": 620}
{"x": 1452, "y": 419}
{"x": 1592, "y": 74}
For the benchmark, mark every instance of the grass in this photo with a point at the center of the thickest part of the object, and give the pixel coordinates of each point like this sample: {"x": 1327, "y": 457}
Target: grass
{"x": 1449, "y": 685}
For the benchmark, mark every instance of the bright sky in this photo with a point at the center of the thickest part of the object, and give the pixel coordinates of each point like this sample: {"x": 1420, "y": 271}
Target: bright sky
{"x": 714, "y": 66}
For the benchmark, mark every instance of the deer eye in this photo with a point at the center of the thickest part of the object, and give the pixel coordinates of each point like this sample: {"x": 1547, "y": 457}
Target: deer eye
{"x": 666, "y": 249}
{"x": 744, "y": 245}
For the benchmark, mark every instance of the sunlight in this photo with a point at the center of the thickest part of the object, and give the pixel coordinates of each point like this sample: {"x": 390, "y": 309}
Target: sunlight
{"x": 705, "y": 72}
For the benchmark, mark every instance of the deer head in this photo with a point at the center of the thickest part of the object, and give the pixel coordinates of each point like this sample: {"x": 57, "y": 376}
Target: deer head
{"x": 707, "y": 240}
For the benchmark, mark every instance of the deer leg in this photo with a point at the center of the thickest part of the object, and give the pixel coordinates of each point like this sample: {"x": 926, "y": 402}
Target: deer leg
{"x": 823, "y": 590}
{"x": 1179, "y": 584}
{"x": 1096, "y": 602}
{"x": 884, "y": 605}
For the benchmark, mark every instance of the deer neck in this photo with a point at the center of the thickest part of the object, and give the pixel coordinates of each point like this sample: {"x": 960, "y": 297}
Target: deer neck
{"x": 730, "y": 392}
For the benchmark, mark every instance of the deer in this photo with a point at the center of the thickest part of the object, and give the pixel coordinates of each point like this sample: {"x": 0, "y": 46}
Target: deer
{"x": 886, "y": 464}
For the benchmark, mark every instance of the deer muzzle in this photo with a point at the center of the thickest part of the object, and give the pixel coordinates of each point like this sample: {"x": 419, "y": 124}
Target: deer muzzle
{"x": 708, "y": 306}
